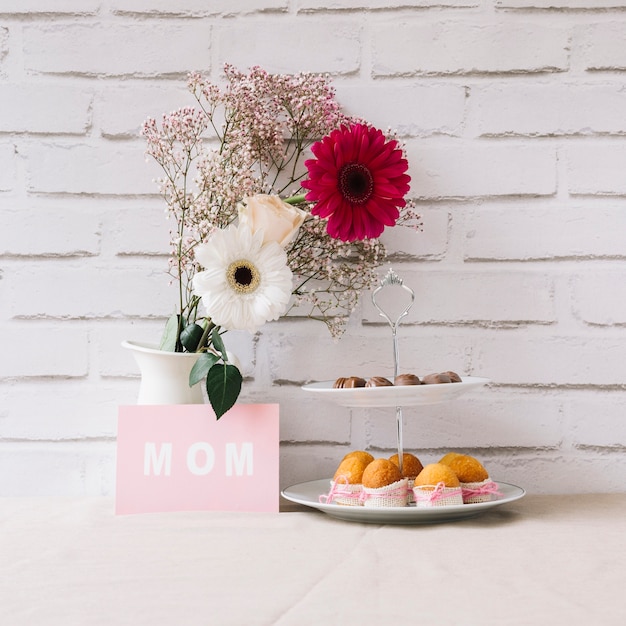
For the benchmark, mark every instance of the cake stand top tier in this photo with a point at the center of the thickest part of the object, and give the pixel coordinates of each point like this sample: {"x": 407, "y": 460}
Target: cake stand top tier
{"x": 395, "y": 396}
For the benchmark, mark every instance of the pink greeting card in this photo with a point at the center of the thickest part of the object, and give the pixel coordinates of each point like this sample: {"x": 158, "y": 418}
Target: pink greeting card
{"x": 180, "y": 458}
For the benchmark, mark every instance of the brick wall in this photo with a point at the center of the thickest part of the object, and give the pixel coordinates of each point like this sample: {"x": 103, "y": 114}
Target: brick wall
{"x": 514, "y": 114}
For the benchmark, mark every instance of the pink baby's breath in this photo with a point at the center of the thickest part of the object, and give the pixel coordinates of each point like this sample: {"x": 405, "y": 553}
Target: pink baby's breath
{"x": 246, "y": 137}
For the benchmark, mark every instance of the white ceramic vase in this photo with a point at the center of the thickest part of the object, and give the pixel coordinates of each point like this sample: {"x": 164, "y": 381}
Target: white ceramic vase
{"x": 165, "y": 375}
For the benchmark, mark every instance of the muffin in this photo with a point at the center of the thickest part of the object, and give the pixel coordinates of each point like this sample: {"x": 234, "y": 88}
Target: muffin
{"x": 352, "y": 468}
{"x": 384, "y": 485}
{"x": 474, "y": 478}
{"x": 450, "y": 455}
{"x": 380, "y": 473}
{"x": 411, "y": 467}
{"x": 435, "y": 473}
{"x": 361, "y": 454}
{"x": 346, "y": 485}
{"x": 437, "y": 485}
{"x": 467, "y": 468}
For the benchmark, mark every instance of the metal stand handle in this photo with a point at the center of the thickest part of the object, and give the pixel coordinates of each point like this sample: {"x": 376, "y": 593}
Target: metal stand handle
{"x": 392, "y": 279}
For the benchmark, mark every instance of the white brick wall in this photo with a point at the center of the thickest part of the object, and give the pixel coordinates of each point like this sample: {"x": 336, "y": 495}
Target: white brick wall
{"x": 513, "y": 115}
{"x": 476, "y": 45}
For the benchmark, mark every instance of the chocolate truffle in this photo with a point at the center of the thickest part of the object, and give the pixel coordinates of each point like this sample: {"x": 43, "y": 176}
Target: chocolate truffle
{"x": 354, "y": 381}
{"x": 435, "y": 379}
{"x": 407, "y": 379}
{"x": 378, "y": 381}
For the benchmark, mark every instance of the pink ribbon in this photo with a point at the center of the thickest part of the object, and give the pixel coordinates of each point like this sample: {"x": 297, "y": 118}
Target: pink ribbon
{"x": 486, "y": 489}
{"x": 438, "y": 493}
{"x": 339, "y": 488}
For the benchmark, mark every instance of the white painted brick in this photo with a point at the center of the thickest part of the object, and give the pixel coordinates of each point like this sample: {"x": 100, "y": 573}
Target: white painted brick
{"x": 331, "y": 423}
{"x": 552, "y": 474}
{"x": 40, "y": 409}
{"x": 313, "y": 5}
{"x": 545, "y": 110}
{"x": 4, "y": 298}
{"x": 115, "y": 361}
{"x": 131, "y": 48}
{"x": 301, "y": 463}
{"x": 454, "y": 296}
{"x": 197, "y": 7}
{"x": 44, "y": 108}
{"x": 604, "y": 46}
{"x": 478, "y": 170}
{"x": 431, "y": 242}
{"x": 25, "y": 7}
{"x": 121, "y": 110}
{"x": 59, "y": 469}
{"x": 484, "y": 418}
{"x": 560, "y": 4}
{"x": 301, "y": 357}
{"x": 4, "y": 42}
{"x": 95, "y": 196}
{"x": 242, "y": 41}
{"x": 408, "y": 109}
{"x": 60, "y": 231}
{"x": 97, "y": 168}
{"x": 598, "y": 420}
{"x": 600, "y": 297}
{"x": 410, "y": 47}
{"x": 595, "y": 473}
{"x": 90, "y": 291}
{"x": 523, "y": 233}
{"x": 150, "y": 234}
{"x": 596, "y": 168}
{"x": 43, "y": 350}
{"x": 522, "y": 358}
{"x": 7, "y": 166}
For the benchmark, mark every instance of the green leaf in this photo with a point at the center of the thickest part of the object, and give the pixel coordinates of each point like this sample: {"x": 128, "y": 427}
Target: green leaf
{"x": 190, "y": 337}
{"x": 223, "y": 384}
{"x": 201, "y": 367}
{"x": 218, "y": 344}
{"x": 168, "y": 339}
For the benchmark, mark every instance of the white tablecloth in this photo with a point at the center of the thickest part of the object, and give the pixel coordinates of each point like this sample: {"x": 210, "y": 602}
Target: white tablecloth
{"x": 541, "y": 560}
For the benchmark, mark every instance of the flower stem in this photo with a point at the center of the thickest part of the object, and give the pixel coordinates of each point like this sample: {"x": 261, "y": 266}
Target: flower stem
{"x": 203, "y": 340}
{"x": 297, "y": 199}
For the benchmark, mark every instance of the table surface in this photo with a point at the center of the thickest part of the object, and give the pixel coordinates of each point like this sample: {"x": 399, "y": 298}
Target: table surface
{"x": 540, "y": 560}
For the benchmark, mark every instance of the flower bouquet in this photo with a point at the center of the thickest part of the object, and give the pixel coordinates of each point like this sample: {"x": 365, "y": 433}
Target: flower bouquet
{"x": 262, "y": 231}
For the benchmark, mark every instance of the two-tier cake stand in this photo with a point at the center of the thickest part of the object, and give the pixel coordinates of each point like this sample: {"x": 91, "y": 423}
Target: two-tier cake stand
{"x": 396, "y": 397}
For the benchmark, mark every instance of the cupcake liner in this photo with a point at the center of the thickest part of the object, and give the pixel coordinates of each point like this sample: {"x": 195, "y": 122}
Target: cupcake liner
{"x": 427, "y": 496}
{"x": 343, "y": 493}
{"x": 483, "y": 491}
{"x": 389, "y": 495}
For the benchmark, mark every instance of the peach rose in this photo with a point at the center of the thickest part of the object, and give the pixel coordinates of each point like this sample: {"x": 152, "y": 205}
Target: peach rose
{"x": 279, "y": 221}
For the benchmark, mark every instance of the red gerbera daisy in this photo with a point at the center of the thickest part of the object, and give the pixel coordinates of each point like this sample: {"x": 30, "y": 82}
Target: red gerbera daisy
{"x": 357, "y": 181}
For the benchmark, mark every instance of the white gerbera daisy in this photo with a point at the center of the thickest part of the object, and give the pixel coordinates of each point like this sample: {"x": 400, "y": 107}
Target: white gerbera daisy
{"x": 244, "y": 283}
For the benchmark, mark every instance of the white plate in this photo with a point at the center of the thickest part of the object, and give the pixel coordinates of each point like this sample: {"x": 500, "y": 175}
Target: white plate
{"x": 405, "y": 395}
{"x": 308, "y": 494}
